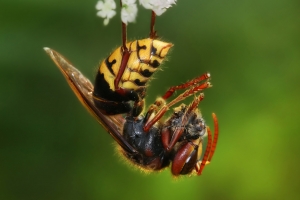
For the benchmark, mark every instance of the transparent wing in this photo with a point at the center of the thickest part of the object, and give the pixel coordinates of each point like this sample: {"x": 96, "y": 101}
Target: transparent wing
{"x": 83, "y": 89}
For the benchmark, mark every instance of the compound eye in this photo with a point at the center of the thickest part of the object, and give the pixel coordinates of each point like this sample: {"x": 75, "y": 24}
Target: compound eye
{"x": 198, "y": 128}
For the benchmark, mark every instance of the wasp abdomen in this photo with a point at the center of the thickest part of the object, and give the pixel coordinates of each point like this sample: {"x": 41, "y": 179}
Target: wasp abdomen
{"x": 145, "y": 56}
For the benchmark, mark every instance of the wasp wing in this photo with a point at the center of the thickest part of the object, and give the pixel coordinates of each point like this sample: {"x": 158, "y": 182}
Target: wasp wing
{"x": 83, "y": 89}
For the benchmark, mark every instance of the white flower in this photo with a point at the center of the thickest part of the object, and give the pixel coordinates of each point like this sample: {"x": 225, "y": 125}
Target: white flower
{"x": 158, "y": 6}
{"x": 128, "y": 2}
{"x": 146, "y": 4}
{"x": 129, "y": 11}
{"x": 106, "y": 10}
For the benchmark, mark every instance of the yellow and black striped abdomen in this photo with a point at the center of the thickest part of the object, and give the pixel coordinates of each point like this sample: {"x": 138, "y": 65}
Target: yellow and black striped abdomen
{"x": 145, "y": 56}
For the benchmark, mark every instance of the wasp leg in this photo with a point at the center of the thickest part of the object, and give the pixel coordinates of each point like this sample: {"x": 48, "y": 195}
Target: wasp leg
{"x": 190, "y": 83}
{"x": 211, "y": 146}
{"x": 128, "y": 93}
{"x": 153, "y": 34}
{"x": 124, "y": 92}
{"x": 179, "y": 98}
{"x": 125, "y": 56}
{"x": 186, "y": 158}
{"x": 83, "y": 89}
{"x": 159, "y": 102}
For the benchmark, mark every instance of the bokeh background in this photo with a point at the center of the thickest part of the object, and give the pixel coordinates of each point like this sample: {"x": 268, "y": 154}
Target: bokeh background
{"x": 51, "y": 148}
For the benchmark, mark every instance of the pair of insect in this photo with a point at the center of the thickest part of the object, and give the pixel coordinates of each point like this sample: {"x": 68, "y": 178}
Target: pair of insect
{"x": 117, "y": 100}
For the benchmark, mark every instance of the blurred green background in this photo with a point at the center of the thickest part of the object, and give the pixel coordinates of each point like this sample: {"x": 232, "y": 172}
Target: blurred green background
{"x": 51, "y": 148}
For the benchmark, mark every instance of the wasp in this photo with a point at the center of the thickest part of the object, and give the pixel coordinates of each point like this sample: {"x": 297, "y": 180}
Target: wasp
{"x": 149, "y": 140}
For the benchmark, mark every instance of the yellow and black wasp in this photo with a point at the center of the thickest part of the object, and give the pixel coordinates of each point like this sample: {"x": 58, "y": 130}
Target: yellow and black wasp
{"x": 117, "y": 100}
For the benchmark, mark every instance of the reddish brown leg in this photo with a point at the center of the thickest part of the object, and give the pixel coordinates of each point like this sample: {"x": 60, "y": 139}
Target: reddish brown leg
{"x": 195, "y": 103}
{"x": 184, "y": 157}
{"x": 179, "y": 98}
{"x": 122, "y": 68}
{"x": 152, "y": 31}
{"x": 186, "y": 85}
{"x": 159, "y": 102}
{"x": 124, "y": 61}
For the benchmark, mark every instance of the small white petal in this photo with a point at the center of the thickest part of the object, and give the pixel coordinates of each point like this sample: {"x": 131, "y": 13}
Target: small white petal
{"x": 101, "y": 13}
{"x": 128, "y": 2}
{"x": 128, "y": 13}
{"x": 105, "y": 22}
{"x": 99, "y": 5}
{"x": 106, "y": 9}
{"x": 158, "y": 6}
{"x": 146, "y": 4}
{"x": 159, "y": 11}
{"x": 113, "y": 4}
{"x": 111, "y": 13}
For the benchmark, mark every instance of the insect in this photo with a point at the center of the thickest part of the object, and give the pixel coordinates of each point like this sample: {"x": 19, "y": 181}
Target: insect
{"x": 116, "y": 100}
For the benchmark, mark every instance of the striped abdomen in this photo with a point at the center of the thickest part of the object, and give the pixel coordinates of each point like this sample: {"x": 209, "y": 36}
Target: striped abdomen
{"x": 144, "y": 59}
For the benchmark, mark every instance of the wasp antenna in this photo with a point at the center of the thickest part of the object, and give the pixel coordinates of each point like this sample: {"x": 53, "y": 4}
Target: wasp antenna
{"x": 207, "y": 151}
{"x": 216, "y": 135}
